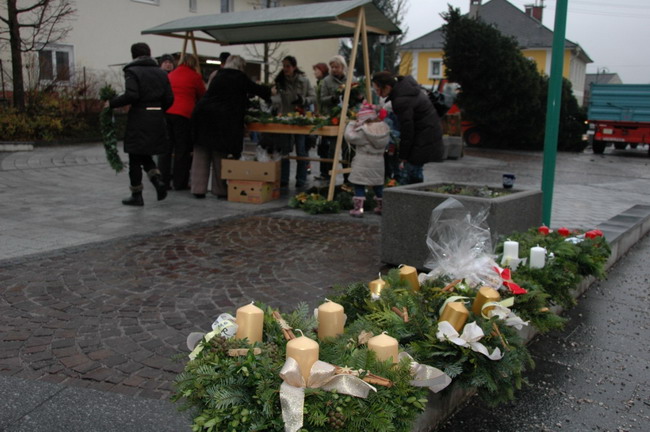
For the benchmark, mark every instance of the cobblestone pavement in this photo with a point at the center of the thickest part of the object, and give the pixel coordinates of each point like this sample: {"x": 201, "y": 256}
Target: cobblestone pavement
{"x": 96, "y": 294}
{"x": 113, "y": 316}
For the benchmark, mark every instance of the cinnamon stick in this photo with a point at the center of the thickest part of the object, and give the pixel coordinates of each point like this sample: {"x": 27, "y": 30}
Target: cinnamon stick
{"x": 286, "y": 330}
{"x": 497, "y": 332}
{"x": 450, "y": 286}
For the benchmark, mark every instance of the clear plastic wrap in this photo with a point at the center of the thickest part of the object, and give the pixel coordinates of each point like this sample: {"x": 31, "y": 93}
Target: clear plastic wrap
{"x": 460, "y": 245}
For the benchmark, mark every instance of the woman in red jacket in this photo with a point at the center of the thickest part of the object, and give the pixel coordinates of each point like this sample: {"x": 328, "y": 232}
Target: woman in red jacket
{"x": 188, "y": 87}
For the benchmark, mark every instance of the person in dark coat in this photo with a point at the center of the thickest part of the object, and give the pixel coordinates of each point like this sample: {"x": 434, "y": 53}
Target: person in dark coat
{"x": 218, "y": 125}
{"x": 420, "y": 127}
{"x": 148, "y": 92}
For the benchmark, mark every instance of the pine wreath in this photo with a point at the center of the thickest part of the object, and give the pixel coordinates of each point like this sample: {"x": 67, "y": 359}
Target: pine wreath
{"x": 107, "y": 126}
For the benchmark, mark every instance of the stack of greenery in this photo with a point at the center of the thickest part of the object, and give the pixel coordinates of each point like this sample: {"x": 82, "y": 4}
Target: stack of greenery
{"x": 314, "y": 200}
{"x": 242, "y": 393}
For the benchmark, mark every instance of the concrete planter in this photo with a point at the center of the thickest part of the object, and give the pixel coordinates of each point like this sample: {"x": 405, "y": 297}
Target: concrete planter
{"x": 407, "y": 210}
{"x": 622, "y": 232}
{"x": 453, "y": 147}
{"x": 14, "y": 146}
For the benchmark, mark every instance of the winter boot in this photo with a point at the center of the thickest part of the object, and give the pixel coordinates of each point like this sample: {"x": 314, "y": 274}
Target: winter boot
{"x": 136, "y": 197}
{"x": 377, "y": 209}
{"x": 157, "y": 181}
{"x": 357, "y": 211}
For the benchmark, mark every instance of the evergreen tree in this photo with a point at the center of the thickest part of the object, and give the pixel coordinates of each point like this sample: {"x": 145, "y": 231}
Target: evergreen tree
{"x": 503, "y": 93}
{"x": 394, "y": 10}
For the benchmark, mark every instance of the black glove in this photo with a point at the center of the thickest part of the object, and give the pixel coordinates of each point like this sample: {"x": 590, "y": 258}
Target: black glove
{"x": 298, "y": 101}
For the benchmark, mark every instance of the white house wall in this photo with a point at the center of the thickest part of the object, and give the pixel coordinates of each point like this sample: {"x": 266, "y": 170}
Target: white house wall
{"x": 103, "y": 31}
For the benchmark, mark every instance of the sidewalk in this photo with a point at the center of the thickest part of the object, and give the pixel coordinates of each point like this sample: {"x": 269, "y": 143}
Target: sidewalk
{"x": 96, "y": 297}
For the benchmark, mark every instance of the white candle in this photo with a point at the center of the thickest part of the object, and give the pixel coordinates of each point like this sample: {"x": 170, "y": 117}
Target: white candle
{"x": 537, "y": 257}
{"x": 250, "y": 322}
{"x": 331, "y": 320}
{"x": 510, "y": 249}
{"x": 385, "y": 347}
{"x": 305, "y": 352}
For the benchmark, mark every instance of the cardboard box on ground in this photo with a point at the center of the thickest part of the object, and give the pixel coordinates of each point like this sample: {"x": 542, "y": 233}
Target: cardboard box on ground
{"x": 250, "y": 181}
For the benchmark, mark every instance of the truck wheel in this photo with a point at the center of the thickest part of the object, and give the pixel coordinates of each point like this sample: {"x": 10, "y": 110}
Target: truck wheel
{"x": 598, "y": 147}
{"x": 473, "y": 137}
{"x": 620, "y": 146}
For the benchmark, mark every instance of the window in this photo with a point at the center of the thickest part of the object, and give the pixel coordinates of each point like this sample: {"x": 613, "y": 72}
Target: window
{"x": 435, "y": 68}
{"x": 227, "y": 6}
{"x": 55, "y": 63}
{"x": 192, "y": 5}
{"x": 152, "y": 2}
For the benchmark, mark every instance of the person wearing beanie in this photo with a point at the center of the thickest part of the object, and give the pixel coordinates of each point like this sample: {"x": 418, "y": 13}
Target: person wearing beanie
{"x": 149, "y": 94}
{"x": 167, "y": 63}
{"x": 370, "y": 136}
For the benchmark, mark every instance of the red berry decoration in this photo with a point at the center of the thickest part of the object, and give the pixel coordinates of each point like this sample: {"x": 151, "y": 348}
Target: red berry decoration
{"x": 564, "y": 232}
{"x": 543, "y": 230}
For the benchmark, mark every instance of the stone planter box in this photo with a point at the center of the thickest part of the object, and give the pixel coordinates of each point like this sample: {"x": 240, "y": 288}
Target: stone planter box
{"x": 622, "y": 232}
{"x": 453, "y": 147}
{"x": 407, "y": 210}
{"x": 14, "y": 146}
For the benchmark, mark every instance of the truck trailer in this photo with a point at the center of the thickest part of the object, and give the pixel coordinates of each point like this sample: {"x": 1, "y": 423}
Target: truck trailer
{"x": 618, "y": 114}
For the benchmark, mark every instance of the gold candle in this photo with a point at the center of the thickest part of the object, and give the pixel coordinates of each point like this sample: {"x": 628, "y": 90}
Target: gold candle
{"x": 250, "y": 322}
{"x": 331, "y": 319}
{"x": 410, "y": 275}
{"x": 377, "y": 285}
{"x": 305, "y": 352}
{"x": 456, "y": 313}
{"x": 386, "y": 347}
{"x": 485, "y": 294}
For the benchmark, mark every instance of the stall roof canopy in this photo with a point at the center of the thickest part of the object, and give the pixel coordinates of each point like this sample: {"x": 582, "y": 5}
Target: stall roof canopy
{"x": 309, "y": 21}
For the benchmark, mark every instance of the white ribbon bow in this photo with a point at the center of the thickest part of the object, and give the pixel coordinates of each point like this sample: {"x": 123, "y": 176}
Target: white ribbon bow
{"x": 426, "y": 376}
{"x": 502, "y": 312}
{"x": 472, "y": 333}
{"x": 292, "y": 390}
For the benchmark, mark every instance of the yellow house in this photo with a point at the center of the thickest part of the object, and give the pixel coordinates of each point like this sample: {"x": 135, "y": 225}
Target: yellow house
{"x": 422, "y": 57}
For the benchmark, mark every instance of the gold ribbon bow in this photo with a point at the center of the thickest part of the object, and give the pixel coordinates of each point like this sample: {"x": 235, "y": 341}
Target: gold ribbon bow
{"x": 322, "y": 375}
{"x": 426, "y": 376}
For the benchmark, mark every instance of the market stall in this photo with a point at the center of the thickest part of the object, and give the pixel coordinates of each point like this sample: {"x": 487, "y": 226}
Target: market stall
{"x": 352, "y": 18}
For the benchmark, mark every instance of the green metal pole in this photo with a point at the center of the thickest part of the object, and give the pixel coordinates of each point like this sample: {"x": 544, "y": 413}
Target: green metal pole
{"x": 553, "y": 105}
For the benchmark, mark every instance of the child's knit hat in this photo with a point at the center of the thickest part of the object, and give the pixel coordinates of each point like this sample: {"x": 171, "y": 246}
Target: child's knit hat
{"x": 366, "y": 113}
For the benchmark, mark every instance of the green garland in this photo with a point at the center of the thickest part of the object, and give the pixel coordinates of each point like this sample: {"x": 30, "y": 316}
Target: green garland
{"x": 107, "y": 126}
{"x": 242, "y": 393}
{"x": 570, "y": 264}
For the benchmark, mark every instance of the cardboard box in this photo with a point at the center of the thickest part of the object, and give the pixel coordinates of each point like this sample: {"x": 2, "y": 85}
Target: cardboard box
{"x": 253, "y": 192}
{"x": 232, "y": 169}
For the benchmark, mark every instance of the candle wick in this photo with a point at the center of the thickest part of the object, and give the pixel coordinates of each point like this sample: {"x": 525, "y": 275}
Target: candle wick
{"x": 301, "y": 333}
{"x": 327, "y": 300}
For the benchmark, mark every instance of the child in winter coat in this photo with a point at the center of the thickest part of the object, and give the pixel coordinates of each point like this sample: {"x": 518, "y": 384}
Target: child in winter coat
{"x": 369, "y": 135}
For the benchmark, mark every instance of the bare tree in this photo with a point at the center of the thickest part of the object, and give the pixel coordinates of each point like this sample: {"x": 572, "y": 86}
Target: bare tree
{"x": 272, "y": 53}
{"x": 29, "y": 26}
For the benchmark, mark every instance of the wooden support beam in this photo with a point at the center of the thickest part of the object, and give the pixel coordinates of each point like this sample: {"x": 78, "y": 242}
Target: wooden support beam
{"x": 346, "y": 100}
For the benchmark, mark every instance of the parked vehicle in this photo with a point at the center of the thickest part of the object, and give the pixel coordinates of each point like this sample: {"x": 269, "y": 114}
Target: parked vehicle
{"x": 618, "y": 114}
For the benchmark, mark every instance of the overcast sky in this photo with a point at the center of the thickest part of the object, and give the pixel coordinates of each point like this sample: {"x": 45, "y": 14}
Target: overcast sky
{"x": 614, "y": 33}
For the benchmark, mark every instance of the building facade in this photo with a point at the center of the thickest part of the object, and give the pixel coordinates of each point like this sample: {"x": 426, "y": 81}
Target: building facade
{"x": 422, "y": 57}
{"x": 102, "y": 32}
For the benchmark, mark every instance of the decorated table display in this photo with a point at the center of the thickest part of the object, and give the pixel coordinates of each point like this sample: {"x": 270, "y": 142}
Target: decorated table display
{"x": 367, "y": 358}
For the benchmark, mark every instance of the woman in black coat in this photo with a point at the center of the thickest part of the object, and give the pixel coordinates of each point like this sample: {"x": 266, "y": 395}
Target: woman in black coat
{"x": 149, "y": 93}
{"x": 420, "y": 127}
{"x": 218, "y": 124}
